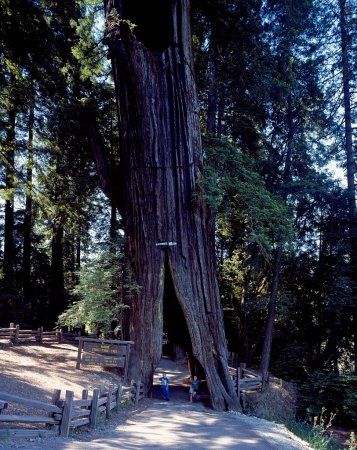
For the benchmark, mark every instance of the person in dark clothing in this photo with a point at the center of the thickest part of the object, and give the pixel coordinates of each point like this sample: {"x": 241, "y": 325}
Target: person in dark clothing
{"x": 195, "y": 384}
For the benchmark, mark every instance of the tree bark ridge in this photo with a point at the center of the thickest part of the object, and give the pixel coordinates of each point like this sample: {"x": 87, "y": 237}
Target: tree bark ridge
{"x": 161, "y": 162}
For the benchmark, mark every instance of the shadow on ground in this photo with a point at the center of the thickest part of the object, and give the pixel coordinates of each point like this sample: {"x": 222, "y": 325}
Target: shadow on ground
{"x": 179, "y": 376}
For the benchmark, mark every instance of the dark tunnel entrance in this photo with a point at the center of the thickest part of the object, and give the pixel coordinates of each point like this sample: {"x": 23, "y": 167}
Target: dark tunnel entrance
{"x": 176, "y": 337}
{"x": 177, "y": 361}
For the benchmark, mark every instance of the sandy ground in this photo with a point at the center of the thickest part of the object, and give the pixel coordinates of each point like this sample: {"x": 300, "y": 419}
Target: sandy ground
{"x": 35, "y": 371}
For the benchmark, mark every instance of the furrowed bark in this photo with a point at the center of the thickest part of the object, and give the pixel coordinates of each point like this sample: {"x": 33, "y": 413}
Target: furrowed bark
{"x": 168, "y": 226}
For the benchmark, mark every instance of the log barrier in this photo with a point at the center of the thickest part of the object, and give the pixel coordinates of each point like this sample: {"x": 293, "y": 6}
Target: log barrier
{"x": 16, "y": 335}
{"x": 61, "y": 416}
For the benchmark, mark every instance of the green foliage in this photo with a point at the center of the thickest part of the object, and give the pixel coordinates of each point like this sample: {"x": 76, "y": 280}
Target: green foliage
{"x": 352, "y": 441}
{"x": 317, "y": 435}
{"x": 269, "y": 89}
{"x": 103, "y": 282}
{"x": 88, "y": 48}
{"x": 332, "y": 393}
{"x": 278, "y": 402}
{"x": 232, "y": 184}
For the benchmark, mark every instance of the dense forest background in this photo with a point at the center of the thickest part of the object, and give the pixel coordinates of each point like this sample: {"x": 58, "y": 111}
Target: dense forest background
{"x": 277, "y": 91}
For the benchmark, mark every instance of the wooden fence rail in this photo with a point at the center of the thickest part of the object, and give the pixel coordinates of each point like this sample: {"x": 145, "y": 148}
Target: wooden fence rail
{"x": 16, "y": 335}
{"x": 43, "y": 419}
{"x": 67, "y": 414}
{"x": 248, "y": 381}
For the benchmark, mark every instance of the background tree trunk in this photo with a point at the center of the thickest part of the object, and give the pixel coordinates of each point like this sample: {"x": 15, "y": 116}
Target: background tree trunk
{"x": 9, "y": 250}
{"x": 212, "y": 83}
{"x": 269, "y": 327}
{"x": 169, "y": 228}
{"x": 57, "y": 293}
{"x": 27, "y": 247}
{"x": 347, "y": 71}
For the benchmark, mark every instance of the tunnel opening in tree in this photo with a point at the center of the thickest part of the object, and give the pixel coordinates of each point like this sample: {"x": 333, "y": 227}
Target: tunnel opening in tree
{"x": 176, "y": 337}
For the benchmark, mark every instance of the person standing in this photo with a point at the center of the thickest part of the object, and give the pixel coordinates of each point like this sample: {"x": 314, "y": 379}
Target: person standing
{"x": 165, "y": 387}
{"x": 194, "y": 388}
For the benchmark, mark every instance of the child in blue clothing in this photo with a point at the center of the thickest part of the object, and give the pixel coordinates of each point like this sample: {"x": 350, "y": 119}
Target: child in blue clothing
{"x": 195, "y": 384}
{"x": 165, "y": 387}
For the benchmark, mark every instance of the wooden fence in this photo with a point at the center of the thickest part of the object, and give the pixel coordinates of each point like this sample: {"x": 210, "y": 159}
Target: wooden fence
{"x": 61, "y": 416}
{"x": 248, "y": 381}
{"x": 16, "y": 335}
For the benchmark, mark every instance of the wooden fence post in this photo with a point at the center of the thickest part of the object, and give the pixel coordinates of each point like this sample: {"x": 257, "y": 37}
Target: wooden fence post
{"x": 265, "y": 380}
{"x": 239, "y": 374}
{"x": 59, "y": 335}
{"x": 79, "y": 355}
{"x": 17, "y": 332}
{"x": 109, "y": 400}
{"x": 66, "y": 415}
{"x": 118, "y": 396}
{"x": 126, "y": 367}
{"x": 93, "y": 413}
{"x": 3, "y": 405}
{"x": 40, "y": 335}
{"x": 137, "y": 393}
{"x": 85, "y": 394}
{"x": 101, "y": 390}
{"x": 56, "y": 395}
{"x": 12, "y": 332}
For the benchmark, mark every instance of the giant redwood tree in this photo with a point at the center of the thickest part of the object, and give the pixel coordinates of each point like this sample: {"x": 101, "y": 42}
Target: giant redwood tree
{"x": 168, "y": 226}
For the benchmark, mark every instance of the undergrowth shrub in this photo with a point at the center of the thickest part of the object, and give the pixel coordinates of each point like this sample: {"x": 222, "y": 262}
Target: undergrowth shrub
{"x": 337, "y": 394}
{"x": 276, "y": 403}
{"x": 317, "y": 434}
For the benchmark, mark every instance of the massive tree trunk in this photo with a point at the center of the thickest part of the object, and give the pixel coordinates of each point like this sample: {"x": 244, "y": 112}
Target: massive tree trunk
{"x": 169, "y": 228}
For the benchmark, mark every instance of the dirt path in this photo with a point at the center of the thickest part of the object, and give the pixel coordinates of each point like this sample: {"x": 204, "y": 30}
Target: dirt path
{"x": 177, "y": 425}
{"x": 157, "y": 424}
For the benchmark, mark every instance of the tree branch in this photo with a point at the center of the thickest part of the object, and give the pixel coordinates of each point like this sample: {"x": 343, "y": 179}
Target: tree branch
{"x": 108, "y": 181}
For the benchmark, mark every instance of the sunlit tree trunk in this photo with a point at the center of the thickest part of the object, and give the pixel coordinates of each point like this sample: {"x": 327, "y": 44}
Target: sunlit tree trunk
{"x": 212, "y": 83}
{"x": 347, "y": 69}
{"x": 28, "y": 219}
{"x": 168, "y": 226}
{"x": 9, "y": 250}
{"x": 57, "y": 295}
